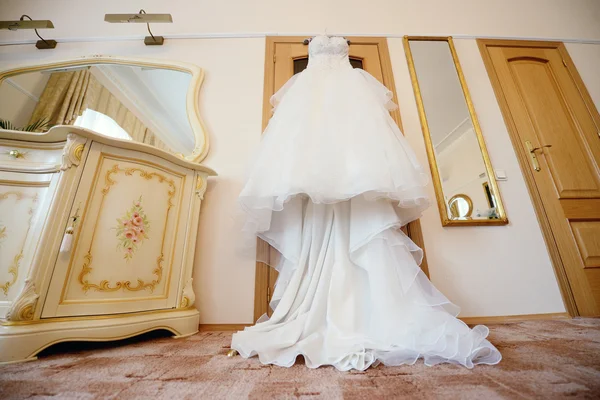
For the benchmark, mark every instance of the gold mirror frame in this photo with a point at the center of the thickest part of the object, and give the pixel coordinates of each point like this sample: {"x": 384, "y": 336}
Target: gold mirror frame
{"x": 437, "y": 182}
{"x": 192, "y": 97}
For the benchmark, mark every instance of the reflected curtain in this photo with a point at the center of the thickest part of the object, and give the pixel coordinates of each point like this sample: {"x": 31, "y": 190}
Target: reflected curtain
{"x": 68, "y": 94}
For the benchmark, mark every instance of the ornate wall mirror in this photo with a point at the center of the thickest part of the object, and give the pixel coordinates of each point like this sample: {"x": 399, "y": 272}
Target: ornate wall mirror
{"x": 132, "y": 99}
{"x": 463, "y": 178}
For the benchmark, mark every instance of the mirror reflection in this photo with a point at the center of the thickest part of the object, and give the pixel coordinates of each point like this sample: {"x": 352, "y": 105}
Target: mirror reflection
{"x": 464, "y": 183}
{"x": 130, "y": 102}
{"x": 460, "y": 206}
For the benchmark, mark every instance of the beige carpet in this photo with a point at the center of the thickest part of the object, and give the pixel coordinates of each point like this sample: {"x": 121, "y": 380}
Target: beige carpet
{"x": 542, "y": 359}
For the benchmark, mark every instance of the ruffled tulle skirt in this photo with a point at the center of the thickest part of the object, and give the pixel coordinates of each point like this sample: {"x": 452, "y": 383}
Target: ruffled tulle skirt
{"x": 331, "y": 184}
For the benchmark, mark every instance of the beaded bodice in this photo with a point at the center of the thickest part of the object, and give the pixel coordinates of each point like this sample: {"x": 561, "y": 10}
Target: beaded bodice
{"x": 328, "y": 52}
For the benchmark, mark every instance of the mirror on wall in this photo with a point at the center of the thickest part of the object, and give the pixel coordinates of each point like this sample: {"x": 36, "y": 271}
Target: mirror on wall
{"x": 146, "y": 102}
{"x": 464, "y": 181}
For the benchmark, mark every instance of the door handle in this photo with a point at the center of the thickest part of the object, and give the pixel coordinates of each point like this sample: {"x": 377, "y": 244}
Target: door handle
{"x": 533, "y": 156}
{"x": 539, "y": 148}
{"x": 534, "y": 160}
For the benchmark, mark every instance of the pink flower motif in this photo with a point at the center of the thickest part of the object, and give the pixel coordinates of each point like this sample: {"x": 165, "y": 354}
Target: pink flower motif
{"x": 131, "y": 229}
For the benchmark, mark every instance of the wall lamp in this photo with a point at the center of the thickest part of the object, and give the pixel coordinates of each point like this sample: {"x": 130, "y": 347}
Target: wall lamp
{"x": 31, "y": 24}
{"x": 143, "y": 18}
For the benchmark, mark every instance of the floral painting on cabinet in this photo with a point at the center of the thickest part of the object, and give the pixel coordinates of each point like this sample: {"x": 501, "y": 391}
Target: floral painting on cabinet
{"x": 132, "y": 228}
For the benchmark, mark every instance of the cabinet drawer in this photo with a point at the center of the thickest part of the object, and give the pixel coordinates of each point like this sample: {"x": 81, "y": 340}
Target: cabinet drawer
{"x": 127, "y": 250}
{"x": 24, "y": 156}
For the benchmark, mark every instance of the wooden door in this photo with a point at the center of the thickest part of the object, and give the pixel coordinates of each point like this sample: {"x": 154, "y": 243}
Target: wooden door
{"x": 128, "y": 248}
{"x": 286, "y": 56}
{"x": 555, "y": 130}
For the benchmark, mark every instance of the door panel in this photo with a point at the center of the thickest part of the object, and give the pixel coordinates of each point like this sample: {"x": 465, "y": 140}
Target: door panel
{"x": 587, "y": 236}
{"x": 556, "y": 129}
{"x": 129, "y": 243}
{"x": 553, "y": 124}
{"x": 24, "y": 203}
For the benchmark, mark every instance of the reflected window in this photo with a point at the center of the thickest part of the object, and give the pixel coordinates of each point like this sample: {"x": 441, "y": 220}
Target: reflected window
{"x": 103, "y": 124}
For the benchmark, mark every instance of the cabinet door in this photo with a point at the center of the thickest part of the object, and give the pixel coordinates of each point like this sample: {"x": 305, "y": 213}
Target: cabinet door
{"x": 24, "y": 203}
{"x": 128, "y": 244}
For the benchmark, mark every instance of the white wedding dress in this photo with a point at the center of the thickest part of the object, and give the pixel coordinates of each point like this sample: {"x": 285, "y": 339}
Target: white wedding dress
{"x": 332, "y": 183}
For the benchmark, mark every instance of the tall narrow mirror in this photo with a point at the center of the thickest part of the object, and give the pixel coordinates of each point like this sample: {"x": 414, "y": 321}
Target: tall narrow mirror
{"x": 464, "y": 181}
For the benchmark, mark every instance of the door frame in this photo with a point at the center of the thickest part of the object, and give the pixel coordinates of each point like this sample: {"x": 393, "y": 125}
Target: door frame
{"x": 413, "y": 229}
{"x": 523, "y": 157}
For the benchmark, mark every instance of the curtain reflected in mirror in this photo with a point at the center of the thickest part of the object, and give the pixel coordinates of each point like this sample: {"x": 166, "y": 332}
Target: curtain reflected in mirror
{"x": 465, "y": 186}
{"x": 128, "y": 102}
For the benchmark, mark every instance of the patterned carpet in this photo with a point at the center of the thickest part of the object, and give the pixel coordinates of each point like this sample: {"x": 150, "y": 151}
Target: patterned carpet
{"x": 542, "y": 359}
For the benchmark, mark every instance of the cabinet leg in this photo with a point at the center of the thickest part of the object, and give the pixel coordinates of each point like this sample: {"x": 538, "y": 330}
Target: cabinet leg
{"x": 23, "y": 342}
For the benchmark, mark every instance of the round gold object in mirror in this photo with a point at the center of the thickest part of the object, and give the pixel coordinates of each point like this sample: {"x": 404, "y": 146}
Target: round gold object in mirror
{"x": 461, "y": 206}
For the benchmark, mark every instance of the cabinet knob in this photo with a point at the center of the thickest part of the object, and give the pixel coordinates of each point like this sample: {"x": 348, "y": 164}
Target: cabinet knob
{"x": 16, "y": 154}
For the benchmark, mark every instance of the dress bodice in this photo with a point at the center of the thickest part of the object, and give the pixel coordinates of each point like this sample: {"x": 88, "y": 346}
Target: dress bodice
{"x": 329, "y": 52}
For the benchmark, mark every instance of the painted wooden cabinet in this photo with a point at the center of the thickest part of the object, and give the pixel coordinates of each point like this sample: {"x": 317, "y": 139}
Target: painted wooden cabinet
{"x": 130, "y": 213}
{"x": 24, "y": 203}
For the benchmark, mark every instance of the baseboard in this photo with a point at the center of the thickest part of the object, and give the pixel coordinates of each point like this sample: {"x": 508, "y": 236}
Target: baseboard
{"x": 501, "y": 319}
{"x": 222, "y": 327}
{"x": 504, "y": 319}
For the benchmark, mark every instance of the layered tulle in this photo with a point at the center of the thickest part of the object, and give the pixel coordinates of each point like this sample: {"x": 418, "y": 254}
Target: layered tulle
{"x": 350, "y": 294}
{"x": 332, "y": 139}
{"x": 331, "y": 185}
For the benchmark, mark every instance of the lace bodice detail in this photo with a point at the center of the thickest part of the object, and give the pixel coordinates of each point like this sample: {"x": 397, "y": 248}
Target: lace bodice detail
{"x": 328, "y": 52}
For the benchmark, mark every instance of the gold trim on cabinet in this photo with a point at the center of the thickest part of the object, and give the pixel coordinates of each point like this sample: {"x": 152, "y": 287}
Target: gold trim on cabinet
{"x": 14, "y": 271}
{"x": 92, "y": 317}
{"x": 101, "y": 158}
{"x": 104, "y": 285}
{"x": 33, "y": 355}
{"x": 446, "y": 221}
{"x": 25, "y": 183}
{"x": 14, "y": 267}
{"x": 32, "y": 145}
{"x": 185, "y": 302}
{"x": 199, "y": 183}
{"x": 78, "y": 151}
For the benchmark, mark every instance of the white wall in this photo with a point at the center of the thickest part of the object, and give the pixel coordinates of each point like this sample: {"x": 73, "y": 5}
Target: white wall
{"x": 566, "y": 19}
{"x": 587, "y": 59}
{"x": 486, "y": 270}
